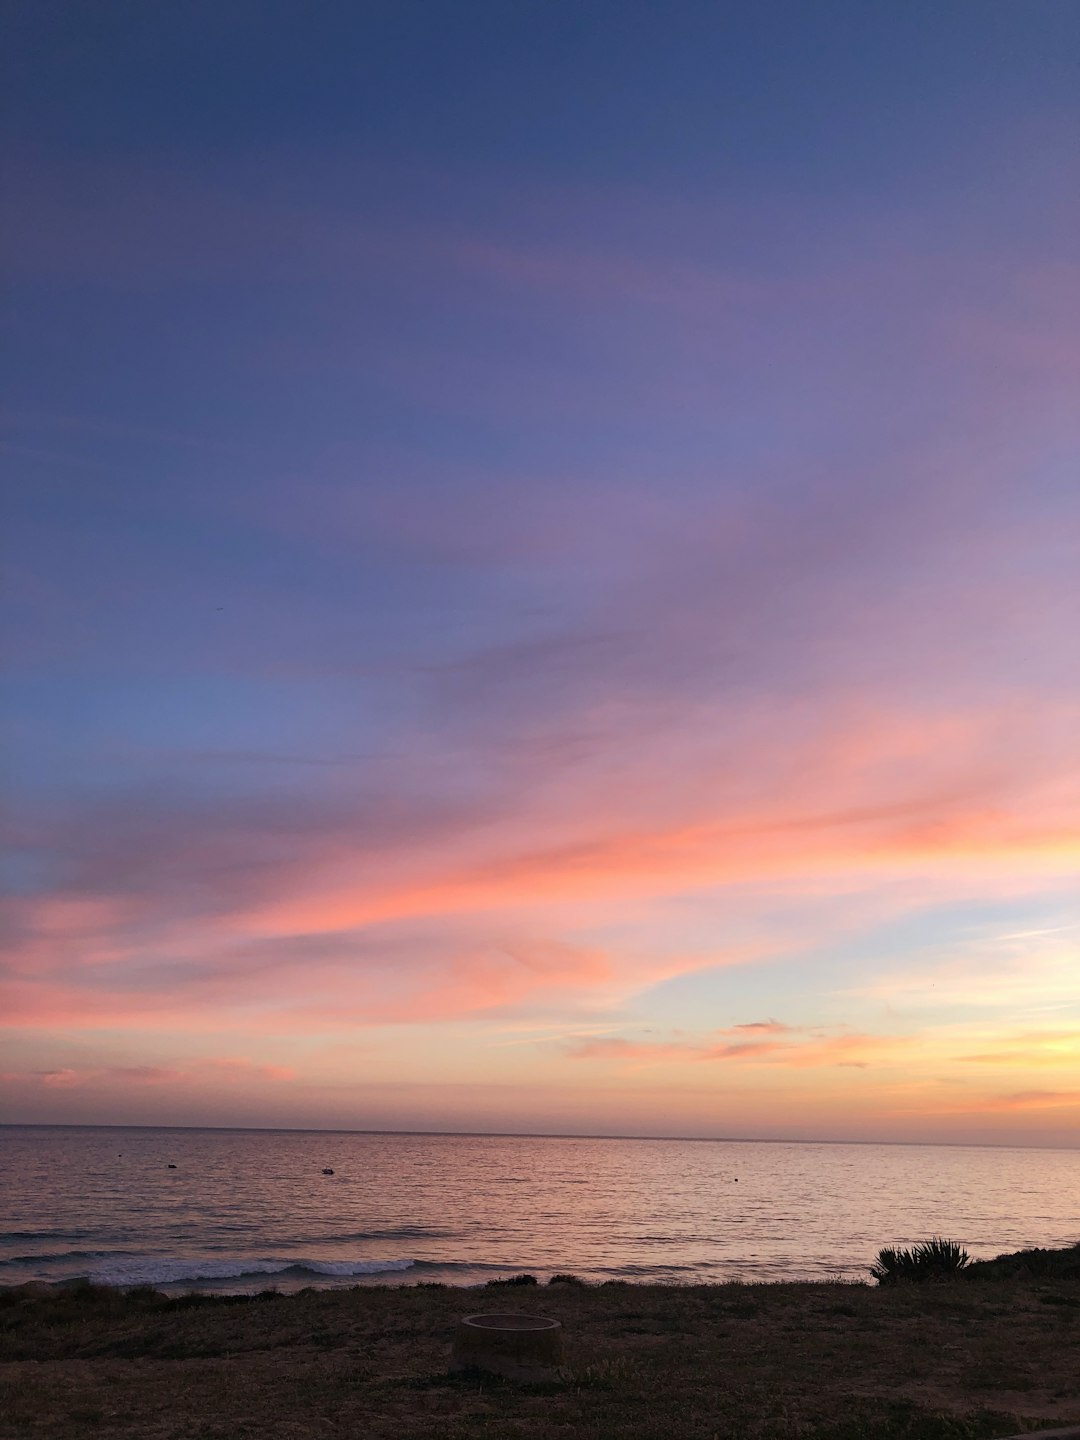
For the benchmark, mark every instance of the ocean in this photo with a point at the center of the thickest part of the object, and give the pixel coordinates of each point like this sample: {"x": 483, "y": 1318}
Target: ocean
{"x": 247, "y": 1210}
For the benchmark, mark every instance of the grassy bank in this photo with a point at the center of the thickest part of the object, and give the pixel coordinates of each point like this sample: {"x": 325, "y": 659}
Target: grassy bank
{"x": 954, "y": 1360}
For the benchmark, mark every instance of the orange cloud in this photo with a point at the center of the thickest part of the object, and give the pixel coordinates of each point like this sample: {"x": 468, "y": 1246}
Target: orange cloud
{"x": 1033, "y": 1100}
{"x": 938, "y": 1098}
{"x": 1038, "y": 1047}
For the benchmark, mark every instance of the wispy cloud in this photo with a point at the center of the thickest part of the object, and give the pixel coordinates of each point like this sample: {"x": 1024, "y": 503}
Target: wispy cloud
{"x": 230, "y": 1070}
{"x": 1031, "y": 1048}
{"x": 787, "y": 1046}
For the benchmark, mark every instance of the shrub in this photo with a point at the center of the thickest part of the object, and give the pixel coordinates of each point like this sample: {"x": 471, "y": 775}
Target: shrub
{"x": 1063, "y": 1264}
{"x": 566, "y": 1280}
{"x": 516, "y": 1280}
{"x": 934, "y": 1259}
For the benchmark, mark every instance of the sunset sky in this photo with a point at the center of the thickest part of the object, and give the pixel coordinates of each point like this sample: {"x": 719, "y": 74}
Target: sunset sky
{"x": 542, "y": 566}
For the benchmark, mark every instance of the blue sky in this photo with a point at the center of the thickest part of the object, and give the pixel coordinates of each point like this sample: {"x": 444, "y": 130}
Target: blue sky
{"x": 538, "y": 537}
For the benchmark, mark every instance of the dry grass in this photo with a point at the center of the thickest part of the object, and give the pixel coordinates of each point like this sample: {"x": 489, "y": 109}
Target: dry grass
{"x": 949, "y": 1361}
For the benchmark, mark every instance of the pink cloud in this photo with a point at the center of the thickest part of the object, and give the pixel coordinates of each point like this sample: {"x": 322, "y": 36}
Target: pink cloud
{"x": 1016, "y": 1100}
{"x": 805, "y": 1051}
{"x": 613, "y": 1048}
{"x": 239, "y": 1067}
{"x": 467, "y": 919}
{"x": 197, "y": 1072}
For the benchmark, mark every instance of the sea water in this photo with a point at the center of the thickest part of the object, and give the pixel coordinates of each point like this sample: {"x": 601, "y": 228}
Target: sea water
{"x": 245, "y": 1210}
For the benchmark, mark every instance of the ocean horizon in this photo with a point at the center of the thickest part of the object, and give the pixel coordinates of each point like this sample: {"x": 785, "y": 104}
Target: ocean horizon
{"x": 241, "y": 1209}
{"x": 542, "y": 1135}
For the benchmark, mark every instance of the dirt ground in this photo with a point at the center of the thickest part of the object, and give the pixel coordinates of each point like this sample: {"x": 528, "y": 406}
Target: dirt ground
{"x": 944, "y": 1361}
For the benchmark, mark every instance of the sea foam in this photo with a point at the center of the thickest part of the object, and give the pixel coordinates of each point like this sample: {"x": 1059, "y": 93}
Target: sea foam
{"x": 158, "y": 1271}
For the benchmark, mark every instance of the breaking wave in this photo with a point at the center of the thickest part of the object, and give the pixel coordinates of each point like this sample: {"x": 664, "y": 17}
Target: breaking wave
{"x": 177, "y": 1272}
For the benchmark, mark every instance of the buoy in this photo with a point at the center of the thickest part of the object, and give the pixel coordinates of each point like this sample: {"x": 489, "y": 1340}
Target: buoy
{"x": 328, "y": 1171}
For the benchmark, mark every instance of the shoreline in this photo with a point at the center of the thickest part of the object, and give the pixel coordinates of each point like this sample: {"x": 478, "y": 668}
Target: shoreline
{"x": 296, "y": 1278}
{"x": 290, "y": 1277}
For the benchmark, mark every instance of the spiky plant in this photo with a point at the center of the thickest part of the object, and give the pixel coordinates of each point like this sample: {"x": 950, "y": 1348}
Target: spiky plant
{"x": 941, "y": 1257}
{"x": 932, "y": 1259}
{"x": 890, "y": 1265}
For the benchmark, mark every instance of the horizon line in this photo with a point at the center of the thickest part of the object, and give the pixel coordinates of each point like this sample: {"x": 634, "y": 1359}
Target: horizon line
{"x": 529, "y": 1135}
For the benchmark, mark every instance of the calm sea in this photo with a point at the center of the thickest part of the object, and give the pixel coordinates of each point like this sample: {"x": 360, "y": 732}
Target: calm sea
{"x": 236, "y": 1210}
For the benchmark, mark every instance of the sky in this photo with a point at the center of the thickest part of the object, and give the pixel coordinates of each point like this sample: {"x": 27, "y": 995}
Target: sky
{"x": 542, "y": 556}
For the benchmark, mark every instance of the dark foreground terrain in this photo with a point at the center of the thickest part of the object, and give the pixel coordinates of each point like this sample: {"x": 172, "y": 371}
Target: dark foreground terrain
{"x": 950, "y": 1360}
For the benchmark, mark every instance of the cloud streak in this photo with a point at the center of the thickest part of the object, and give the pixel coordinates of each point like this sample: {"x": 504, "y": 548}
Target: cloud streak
{"x": 204, "y": 1072}
{"x": 785, "y": 1046}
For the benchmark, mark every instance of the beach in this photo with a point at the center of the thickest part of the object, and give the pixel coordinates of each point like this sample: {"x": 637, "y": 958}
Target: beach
{"x": 951, "y": 1360}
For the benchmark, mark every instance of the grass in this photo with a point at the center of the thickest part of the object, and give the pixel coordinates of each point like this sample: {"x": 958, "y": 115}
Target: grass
{"x": 950, "y": 1361}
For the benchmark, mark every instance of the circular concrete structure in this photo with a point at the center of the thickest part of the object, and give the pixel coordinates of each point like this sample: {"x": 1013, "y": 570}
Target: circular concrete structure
{"x": 518, "y": 1347}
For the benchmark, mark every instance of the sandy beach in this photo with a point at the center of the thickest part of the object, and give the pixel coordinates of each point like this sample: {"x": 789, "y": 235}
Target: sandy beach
{"x": 953, "y": 1360}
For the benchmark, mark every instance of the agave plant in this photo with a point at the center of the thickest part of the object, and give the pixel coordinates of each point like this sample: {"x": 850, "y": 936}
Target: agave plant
{"x": 890, "y": 1265}
{"x": 931, "y": 1259}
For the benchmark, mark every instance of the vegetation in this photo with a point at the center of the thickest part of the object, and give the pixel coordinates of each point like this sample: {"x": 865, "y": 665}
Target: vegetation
{"x": 934, "y": 1259}
{"x": 952, "y": 1361}
{"x": 1030, "y": 1264}
{"x": 942, "y": 1259}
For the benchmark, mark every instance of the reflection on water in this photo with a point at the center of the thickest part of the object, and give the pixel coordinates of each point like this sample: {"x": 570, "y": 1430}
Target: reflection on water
{"x": 243, "y": 1209}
